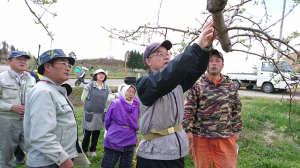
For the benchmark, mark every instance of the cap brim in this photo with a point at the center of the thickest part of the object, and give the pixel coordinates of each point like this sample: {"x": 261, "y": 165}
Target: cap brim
{"x": 167, "y": 44}
{"x": 27, "y": 56}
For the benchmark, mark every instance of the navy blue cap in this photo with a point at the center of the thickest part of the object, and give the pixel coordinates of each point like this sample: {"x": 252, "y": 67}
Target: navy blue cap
{"x": 17, "y": 54}
{"x": 152, "y": 47}
{"x": 50, "y": 55}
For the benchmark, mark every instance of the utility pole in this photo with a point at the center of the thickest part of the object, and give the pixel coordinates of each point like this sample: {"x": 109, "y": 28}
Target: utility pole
{"x": 281, "y": 27}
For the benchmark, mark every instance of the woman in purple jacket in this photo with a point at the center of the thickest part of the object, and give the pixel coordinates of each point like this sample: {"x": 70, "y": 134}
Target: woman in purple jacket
{"x": 121, "y": 122}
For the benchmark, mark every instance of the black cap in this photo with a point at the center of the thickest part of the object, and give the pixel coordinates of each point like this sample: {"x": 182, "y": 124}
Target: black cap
{"x": 216, "y": 52}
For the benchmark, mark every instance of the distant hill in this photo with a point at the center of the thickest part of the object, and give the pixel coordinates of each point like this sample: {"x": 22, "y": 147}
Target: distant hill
{"x": 98, "y": 63}
{"x": 102, "y": 63}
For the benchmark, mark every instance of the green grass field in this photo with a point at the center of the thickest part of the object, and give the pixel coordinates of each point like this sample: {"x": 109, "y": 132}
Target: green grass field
{"x": 263, "y": 142}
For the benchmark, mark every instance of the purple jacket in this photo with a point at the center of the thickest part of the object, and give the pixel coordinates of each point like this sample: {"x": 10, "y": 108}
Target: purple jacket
{"x": 121, "y": 123}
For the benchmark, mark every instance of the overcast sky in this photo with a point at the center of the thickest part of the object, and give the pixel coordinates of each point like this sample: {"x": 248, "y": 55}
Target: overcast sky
{"x": 77, "y": 26}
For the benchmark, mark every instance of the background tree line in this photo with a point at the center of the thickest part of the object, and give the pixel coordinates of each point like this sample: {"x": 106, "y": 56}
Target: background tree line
{"x": 135, "y": 60}
{"x": 6, "y": 49}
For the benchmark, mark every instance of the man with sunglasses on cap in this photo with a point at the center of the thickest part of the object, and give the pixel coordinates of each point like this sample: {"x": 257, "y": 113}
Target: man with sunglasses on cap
{"x": 51, "y": 135}
{"x": 164, "y": 143}
{"x": 14, "y": 87}
{"x": 212, "y": 117}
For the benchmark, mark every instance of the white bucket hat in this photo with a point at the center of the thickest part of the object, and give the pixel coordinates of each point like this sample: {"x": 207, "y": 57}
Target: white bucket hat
{"x": 100, "y": 71}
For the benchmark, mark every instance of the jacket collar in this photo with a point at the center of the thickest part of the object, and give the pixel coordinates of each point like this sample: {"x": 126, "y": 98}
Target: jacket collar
{"x": 223, "y": 79}
{"x": 50, "y": 82}
{"x": 26, "y": 75}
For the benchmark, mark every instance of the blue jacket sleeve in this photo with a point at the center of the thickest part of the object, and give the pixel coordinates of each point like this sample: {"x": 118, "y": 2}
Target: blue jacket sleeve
{"x": 184, "y": 69}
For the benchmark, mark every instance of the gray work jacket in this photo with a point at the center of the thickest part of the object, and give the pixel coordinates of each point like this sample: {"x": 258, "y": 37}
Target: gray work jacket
{"x": 50, "y": 128}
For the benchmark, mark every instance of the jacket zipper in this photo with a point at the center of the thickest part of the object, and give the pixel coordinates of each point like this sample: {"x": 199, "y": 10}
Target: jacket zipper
{"x": 175, "y": 124}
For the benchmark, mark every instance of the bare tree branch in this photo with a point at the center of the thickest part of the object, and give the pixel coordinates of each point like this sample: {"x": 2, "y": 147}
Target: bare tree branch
{"x": 265, "y": 34}
{"x": 234, "y": 14}
{"x": 266, "y": 14}
{"x": 39, "y": 20}
{"x": 41, "y": 5}
{"x": 216, "y": 7}
{"x": 250, "y": 21}
{"x": 247, "y": 52}
{"x": 158, "y": 13}
{"x": 282, "y": 18}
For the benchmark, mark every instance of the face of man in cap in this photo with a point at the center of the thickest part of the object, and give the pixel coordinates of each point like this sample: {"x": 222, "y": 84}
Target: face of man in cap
{"x": 18, "y": 64}
{"x": 215, "y": 65}
{"x": 158, "y": 59}
{"x": 59, "y": 71}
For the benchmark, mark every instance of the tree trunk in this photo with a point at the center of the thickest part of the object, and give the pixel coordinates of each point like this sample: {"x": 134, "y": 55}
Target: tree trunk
{"x": 215, "y": 7}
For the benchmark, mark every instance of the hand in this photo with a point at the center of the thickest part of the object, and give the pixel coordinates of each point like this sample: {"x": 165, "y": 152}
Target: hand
{"x": 18, "y": 109}
{"x": 207, "y": 37}
{"x": 67, "y": 164}
{"x": 190, "y": 138}
{"x": 236, "y": 136}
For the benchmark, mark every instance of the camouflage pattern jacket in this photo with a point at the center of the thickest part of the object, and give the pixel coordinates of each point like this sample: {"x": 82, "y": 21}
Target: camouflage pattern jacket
{"x": 212, "y": 110}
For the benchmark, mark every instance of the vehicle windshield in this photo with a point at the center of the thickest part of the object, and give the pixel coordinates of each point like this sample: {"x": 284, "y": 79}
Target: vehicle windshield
{"x": 282, "y": 65}
{"x": 285, "y": 66}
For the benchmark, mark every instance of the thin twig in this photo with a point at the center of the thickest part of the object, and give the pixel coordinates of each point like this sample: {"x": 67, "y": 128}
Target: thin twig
{"x": 283, "y": 17}
{"x": 158, "y": 13}
{"x": 38, "y": 19}
{"x": 41, "y": 5}
{"x": 265, "y": 34}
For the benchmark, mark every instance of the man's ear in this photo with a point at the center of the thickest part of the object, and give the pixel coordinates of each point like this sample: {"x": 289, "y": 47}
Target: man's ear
{"x": 47, "y": 66}
{"x": 148, "y": 62}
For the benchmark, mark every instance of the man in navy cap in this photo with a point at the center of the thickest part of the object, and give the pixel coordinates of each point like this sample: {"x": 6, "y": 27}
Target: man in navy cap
{"x": 14, "y": 87}
{"x": 50, "y": 127}
{"x": 164, "y": 143}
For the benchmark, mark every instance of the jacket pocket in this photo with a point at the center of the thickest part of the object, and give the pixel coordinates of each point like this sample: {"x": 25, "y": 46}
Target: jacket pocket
{"x": 88, "y": 116}
{"x": 9, "y": 92}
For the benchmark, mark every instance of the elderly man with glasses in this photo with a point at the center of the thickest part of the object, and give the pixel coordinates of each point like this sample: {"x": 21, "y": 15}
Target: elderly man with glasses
{"x": 164, "y": 143}
{"x": 14, "y": 87}
{"x": 51, "y": 134}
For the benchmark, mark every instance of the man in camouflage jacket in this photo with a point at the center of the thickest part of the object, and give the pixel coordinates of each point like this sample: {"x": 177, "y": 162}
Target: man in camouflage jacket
{"x": 212, "y": 117}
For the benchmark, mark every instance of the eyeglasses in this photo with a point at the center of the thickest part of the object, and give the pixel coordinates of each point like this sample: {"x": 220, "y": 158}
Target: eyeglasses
{"x": 65, "y": 64}
{"x": 21, "y": 59}
{"x": 161, "y": 54}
